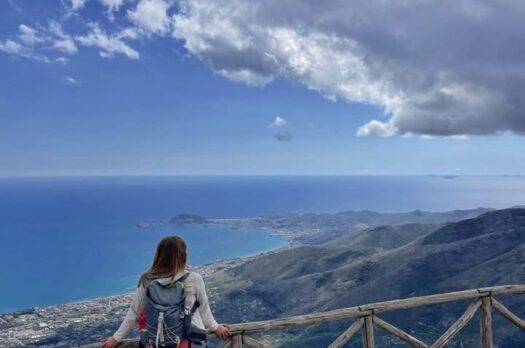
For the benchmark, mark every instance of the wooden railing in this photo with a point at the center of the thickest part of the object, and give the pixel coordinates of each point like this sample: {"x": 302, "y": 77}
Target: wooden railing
{"x": 367, "y": 318}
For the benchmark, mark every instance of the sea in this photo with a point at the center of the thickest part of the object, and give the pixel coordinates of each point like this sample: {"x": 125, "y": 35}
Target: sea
{"x": 71, "y": 239}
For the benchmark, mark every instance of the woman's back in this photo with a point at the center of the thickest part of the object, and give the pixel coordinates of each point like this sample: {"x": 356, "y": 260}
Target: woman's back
{"x": 169, "y": 266}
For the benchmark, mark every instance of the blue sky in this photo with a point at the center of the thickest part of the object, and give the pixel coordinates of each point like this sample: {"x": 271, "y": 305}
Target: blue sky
{"x": 170, "y": 101}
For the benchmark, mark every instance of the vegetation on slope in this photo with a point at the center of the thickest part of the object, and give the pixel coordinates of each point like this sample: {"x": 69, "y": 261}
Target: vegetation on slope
{"x": 420, "y": 259}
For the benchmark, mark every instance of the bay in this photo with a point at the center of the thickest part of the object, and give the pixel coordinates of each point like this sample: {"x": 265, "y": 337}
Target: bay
{"x": 67, "y": 239}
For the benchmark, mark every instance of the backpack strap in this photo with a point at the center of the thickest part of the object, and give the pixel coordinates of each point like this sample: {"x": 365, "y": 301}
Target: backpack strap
{"x": 180, "y": 280}
{"x": 184, "y": 277}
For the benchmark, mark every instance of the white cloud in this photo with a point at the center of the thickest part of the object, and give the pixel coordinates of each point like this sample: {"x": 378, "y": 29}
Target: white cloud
{"x": 29, "y": 36}
{"x": 63, "y": 42}
{"x": 71, "y": 80}
{"x": 62, "y": 60}
{"x": 77, "y": 4}
{"x": 23, "y": 44}
{"x": 377, "y": 128}
{"x": 151, "y": 16}
{"x": 112, "y": 5}
{"x": 13, "y": 47}
{"x": 229, "y": 37}
{"x": 405, "y": 57}
{"x": 109, "y": 45}
{"x": 424, "y": 77}
{"x": 37, "y": 44}
{"x": 278, "y": 122}
{"x": 128, "y": 33}
{"x": 66, "y": 45}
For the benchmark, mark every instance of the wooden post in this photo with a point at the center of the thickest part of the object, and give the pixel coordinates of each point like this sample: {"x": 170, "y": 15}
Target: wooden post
{"x": 368, "y": 311}
{"x": 251, "y": 343}
{"x": 508, "y": 314}
{"x": 458, "y": 325}
{"x": 347, "y": 334}
{"x": 236, "y": 341}
{"x": 368, "y": 332}
{"x": 225, "y": 344}
{"x": 399, "y": 333}
{"x": 486, "y": 322}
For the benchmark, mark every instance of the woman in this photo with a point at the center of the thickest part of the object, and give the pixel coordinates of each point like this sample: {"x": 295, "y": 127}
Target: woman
{"x": 168, "y": 266}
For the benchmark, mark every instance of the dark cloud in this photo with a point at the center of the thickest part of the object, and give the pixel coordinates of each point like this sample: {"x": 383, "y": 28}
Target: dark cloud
{"x": 283, "y": 136}
{"x": 447, "y": 67}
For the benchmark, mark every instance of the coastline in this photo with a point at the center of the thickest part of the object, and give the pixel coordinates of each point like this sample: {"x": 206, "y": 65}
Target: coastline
{"x": 292, "y": 232}
{"x": 38, "y": 324}
{"x": 90, "y": 320}
{"x": 204, "y": 270}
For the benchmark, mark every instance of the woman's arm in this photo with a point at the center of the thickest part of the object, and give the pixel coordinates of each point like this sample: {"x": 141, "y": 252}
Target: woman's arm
{"x": 204, "y": 307}
{"x": 137, "y": 305}
{"x": 208, "y": 320}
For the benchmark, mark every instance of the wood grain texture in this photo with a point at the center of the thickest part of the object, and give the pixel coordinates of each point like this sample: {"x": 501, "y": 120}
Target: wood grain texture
{"x": 236, "y": 341}
{"x": 458, "y": 325}
{"x": 508, "y": 314}
{"x": 387, "y": 306}
{"x": 486, "y": 323}
{"x": 347, "y": 334}
{"x": 251, "y": 343}
{"x": 404, "y": 336}
{"x": 368, "y": 333}
{"x": 369, "y": 309}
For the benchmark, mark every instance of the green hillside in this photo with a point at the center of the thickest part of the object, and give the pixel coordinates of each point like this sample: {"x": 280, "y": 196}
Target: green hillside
{"x": 384, "y": 263}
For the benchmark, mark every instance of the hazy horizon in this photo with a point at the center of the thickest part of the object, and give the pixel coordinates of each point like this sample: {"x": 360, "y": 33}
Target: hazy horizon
{"x": 124, "y": 175}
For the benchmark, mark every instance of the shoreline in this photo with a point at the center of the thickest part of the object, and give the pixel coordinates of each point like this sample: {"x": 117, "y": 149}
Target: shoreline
{"x": 37, "y": 324}
{"x": 205, "y": 270}
{"x": 295, "y": 234}
{"x": 219, "y": 264}
{"x": 92, "y": 319}
{"x": 81, "y": 318}
{"x": 291, "y": 232}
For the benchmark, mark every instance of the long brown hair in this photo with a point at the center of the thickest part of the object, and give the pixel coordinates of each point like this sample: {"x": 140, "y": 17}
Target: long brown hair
{"x": 170, "y": 259}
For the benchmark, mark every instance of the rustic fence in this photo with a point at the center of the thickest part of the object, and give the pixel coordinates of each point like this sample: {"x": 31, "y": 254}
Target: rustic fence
{"x": 367, "y": 319}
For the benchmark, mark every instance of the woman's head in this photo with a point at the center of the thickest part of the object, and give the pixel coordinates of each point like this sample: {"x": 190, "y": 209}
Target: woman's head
{"x": 170, "y": 258}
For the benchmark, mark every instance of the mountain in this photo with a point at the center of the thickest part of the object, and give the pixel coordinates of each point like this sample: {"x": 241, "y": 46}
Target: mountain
{"x": 416, "y": 254}
{"x": 321, "y": 228}
{"x": 380, "y": 264}
{"x": 384, "y": 237}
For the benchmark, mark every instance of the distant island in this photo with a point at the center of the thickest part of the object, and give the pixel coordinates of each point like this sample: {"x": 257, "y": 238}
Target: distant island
{"x": 187, "y": 219}
{"x": 343, "y": 259}
{"x": 179, "y": 219}
{"x": 443, "y": 176}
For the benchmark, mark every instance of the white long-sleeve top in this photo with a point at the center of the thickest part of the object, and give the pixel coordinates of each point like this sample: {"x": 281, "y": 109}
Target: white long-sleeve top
{"x": 194, "y": 290}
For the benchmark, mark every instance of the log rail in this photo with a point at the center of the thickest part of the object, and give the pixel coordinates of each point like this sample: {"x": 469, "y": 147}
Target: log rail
{"x": 367, "y": 318}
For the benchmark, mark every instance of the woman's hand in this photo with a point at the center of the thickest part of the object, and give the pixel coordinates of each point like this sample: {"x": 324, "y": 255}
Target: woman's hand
{"x": 109, "y": 343}
{"x": 222, "y": 331}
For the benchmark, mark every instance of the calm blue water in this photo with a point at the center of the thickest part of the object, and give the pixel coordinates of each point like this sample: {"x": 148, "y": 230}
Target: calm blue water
{"x": 68, "y": 239}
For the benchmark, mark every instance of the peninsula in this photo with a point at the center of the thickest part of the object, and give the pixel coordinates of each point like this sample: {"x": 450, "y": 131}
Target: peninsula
{"x": 395, "y": 256}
